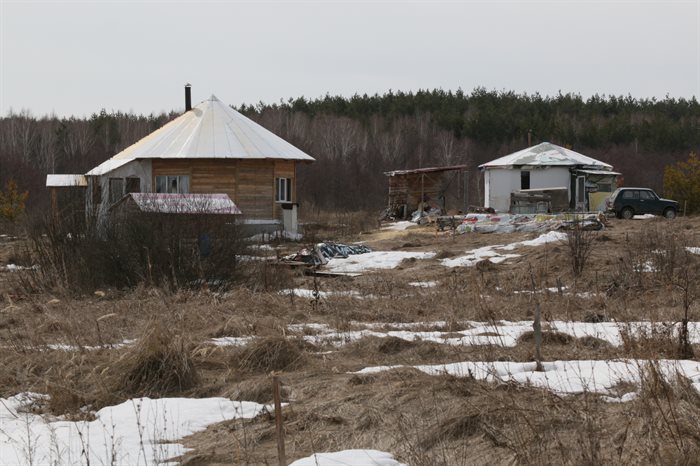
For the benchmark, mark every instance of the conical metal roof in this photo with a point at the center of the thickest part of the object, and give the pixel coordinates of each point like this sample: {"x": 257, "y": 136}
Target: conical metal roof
{"x": 211, "y": 130}
{"x": 546, "y": 154}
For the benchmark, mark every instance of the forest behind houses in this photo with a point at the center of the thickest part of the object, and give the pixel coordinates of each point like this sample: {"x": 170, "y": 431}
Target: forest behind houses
{"x": 355, "y": 139}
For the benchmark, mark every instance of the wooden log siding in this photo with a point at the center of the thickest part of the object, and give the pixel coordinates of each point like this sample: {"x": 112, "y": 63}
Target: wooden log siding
{"x": 249, "y": 183}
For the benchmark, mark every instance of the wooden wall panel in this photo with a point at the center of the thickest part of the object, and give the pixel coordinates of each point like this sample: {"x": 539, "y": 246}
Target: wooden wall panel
{"x": 249, "y": 183}
{"x": 256, "y": 192}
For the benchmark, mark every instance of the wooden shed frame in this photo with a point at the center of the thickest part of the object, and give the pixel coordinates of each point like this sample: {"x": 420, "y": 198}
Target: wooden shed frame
{"x": 408, "y": 189}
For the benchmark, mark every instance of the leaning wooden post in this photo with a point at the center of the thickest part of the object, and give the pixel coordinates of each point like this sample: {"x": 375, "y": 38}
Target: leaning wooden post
{"x": 422, "y": 193}
{"x": 281, "y": 456}
{"x": 537, "y": 326}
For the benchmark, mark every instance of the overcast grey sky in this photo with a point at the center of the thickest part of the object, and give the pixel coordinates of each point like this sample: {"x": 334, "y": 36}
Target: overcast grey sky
{"x": 74, "y": 58}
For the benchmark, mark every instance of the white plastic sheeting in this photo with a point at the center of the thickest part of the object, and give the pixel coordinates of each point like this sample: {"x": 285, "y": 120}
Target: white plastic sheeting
{"x": 211, "y": 129}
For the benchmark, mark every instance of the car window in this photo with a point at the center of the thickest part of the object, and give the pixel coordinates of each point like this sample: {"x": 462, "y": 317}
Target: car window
{"x": 630, "y": 194}
{"x": 646, "y": 195}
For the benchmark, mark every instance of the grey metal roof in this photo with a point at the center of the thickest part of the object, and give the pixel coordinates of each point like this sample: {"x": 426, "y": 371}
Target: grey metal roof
{"x": 211, "y": 129}
{"x": 546, "y": 154}
{"x": 425, "y": 170}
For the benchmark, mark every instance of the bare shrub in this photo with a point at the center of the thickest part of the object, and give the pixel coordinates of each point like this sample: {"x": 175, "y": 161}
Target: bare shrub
{"x": 162, "y": 250}
{"x": 159, "y": 364}
{"x": 580, "y": 242}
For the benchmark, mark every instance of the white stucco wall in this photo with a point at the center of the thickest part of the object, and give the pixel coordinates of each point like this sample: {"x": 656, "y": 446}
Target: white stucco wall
{"x": 499, "y": 183}
{"x": 140, "y": 169}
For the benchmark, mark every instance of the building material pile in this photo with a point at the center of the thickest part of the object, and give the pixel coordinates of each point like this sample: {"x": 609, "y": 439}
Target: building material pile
{"x": 321, "y": 253}
{"x": 509, "y": 223}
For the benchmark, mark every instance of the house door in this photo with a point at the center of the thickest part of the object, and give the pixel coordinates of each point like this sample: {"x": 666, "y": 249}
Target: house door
{"x": 581, "y": 193}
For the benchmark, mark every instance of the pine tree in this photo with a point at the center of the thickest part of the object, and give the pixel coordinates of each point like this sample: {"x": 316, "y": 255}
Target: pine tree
{"x": 12, "y": 201}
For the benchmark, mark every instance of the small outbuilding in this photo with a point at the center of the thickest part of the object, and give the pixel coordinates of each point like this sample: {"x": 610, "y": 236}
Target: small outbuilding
{"x": 546, "y": 168}
{"x": 441, "y": 187}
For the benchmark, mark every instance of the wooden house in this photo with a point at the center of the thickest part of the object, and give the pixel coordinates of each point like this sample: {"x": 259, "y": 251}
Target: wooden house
{"x": 209, "y": 149}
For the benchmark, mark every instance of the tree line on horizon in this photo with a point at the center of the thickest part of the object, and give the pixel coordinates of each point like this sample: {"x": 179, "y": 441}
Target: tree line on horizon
{"x": 356, "y": 139}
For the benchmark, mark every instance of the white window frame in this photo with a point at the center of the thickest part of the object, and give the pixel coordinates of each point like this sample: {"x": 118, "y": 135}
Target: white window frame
{"x": 283, "y": 190}
{"x": 182, "y": 183}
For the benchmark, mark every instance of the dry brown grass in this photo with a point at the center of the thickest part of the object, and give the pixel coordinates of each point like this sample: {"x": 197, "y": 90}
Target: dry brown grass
{"x": 424, "y": 420}
{"x": 160, "y": 364}
{"x": 270, "y": 354}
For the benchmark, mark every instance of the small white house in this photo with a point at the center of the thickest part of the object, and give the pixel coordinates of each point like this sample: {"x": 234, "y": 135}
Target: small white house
{"x": 548, "y": 167}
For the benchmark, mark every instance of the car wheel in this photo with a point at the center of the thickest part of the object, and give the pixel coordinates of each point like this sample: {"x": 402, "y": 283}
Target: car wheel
{"x": 670, "y": 213}
{"x": 627, "y": 213}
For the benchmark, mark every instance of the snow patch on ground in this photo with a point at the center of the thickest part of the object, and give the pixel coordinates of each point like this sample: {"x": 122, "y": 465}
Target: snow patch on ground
{"x": 310, "y": 294}
{"x": 693, "y": 250}
{"x": 141, "y": 431}
{"x": 562, "y": 377}
{"x": 398, "y": 226}
{"x": 349, "y": 458}
{"x": 423, "y": 284}
{"x": 65, "y": 347}
{"x": 15, "y": 268}
{"x": 545, "y": 238}
{"x": 500, "y": 333}
{"x": 490, "y": 253}
{"x": 374, "y": 260}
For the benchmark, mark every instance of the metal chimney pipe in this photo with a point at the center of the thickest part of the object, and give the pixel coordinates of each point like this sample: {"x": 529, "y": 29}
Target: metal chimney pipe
{"x": 188, "y": 97}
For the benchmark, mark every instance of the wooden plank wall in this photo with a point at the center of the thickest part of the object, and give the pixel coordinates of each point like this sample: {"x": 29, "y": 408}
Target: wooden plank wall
{"x": 249, "y": 183}
{"x": 256, "y": 188}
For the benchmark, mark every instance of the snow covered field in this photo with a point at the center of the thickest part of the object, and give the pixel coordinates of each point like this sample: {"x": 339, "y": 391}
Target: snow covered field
{"x": 562, "y": 377}
{"x": 500, "y": 333}
{"x": 141, "y": 431}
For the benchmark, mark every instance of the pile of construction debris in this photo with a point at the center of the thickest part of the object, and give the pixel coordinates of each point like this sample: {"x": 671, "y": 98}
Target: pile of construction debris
{"x": 321, "y": 253}
{"x": 509, "y": 223}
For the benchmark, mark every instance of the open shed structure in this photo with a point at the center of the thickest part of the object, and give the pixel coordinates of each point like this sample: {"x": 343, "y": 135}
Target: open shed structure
{"x": 209, "y": 149}
{"x": 67, "y": 194}
{"x": 410, "y": 190}
{"x": 581, "y": 182}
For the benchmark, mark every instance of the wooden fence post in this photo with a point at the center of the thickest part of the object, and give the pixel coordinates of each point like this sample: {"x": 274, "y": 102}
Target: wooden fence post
{"x": 281, "y": 456}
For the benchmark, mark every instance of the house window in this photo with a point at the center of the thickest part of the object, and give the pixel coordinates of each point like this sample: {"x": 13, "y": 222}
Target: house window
{"x": 173, "y": 184}
{"x": 133, "y": 185}
{"x": 283, "y": 189}
{"x": 116, "y": 189}
{"x": 524, "y": 180}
